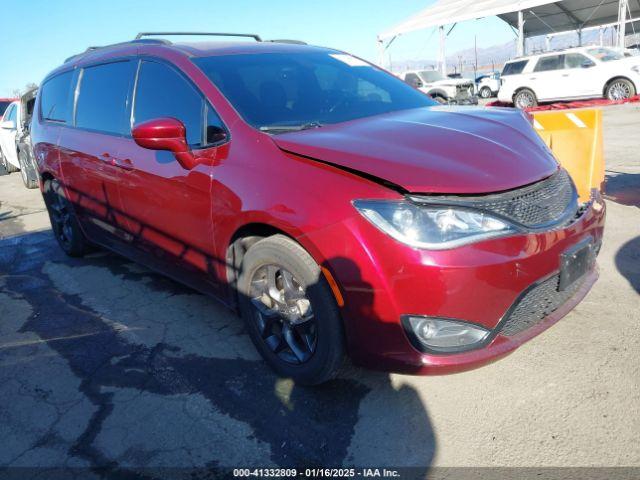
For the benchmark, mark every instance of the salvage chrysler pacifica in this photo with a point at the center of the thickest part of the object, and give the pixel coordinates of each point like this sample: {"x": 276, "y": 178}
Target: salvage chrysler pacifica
{"x": 339, "y": 210}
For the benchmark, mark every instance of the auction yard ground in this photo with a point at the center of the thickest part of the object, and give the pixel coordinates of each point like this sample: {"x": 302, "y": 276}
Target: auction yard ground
{"x": 103, "y": 363}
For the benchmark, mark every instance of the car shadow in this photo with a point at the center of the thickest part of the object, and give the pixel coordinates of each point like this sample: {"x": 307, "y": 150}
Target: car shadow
{"x": 174, "y": 382}
{"x": 623, "y": 188}
{"x": 628, "y": 262}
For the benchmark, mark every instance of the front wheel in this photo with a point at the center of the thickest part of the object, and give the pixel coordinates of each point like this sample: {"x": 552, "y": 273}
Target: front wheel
{"x": 620, "y": 89}
{"x": 485, "y": 92}
{"x": 63, "y": 220}
{"x": 525, "y": 98}
{"x": 290, "y": 312}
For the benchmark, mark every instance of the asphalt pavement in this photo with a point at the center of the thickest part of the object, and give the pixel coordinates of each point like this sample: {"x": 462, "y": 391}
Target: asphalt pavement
{"x": 105, "y": 365}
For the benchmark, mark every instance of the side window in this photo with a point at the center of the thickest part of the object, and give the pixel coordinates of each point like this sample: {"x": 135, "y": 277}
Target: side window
{"x": 552, "y": 62}
{"x": 214, "y": 131}
{"x": 104, "y": 98}
{"x": 576, "y": 60}
{"x": 514, "y": 68}
{"x": 163, "y": 92}
{"x": 413, "y": 80}
{"x": 55, "y": 104}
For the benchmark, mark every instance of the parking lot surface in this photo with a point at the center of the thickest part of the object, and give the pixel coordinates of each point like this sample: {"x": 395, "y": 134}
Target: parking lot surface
{"x": 106, "y": 364}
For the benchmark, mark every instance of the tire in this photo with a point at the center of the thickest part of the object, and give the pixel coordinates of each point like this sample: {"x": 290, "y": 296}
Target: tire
{"x": 485, "y": 92}
{"x": 620, "y": 89}
{"x": 29, "y": 176}
{"x": 64, "y": 222}
{"x": 318, "y": 341}
{"x": 525, "y": 98}
{"x": 9, "y": 168}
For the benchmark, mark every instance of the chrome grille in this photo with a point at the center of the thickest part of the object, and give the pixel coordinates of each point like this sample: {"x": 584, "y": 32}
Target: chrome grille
{"x": 550, "y": 201}
{"x": 536, "y": 304}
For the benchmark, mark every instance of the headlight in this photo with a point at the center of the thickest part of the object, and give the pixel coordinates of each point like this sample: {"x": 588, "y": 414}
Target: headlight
{"x": 431, "y": 227}
{"x": 443, "y": 335}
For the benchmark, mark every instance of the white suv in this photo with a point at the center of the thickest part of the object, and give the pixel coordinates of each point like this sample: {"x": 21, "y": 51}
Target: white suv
{"x": 577, "y": 73}
{"x": 442, "y": 89}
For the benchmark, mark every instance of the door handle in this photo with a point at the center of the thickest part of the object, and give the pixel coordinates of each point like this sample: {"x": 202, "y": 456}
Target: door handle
{"x": 124, "y": 164}
{"x": 107, "y": 158}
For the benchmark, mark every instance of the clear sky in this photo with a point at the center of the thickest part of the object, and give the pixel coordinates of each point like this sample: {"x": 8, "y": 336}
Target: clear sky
{"x": 40, "y": 34}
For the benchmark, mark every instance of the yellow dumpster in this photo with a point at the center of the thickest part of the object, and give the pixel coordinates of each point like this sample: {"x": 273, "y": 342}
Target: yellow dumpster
{"x": 575, "y": 137}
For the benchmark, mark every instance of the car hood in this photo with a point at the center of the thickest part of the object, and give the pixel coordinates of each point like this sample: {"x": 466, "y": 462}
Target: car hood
{"x": 433, "y": 150}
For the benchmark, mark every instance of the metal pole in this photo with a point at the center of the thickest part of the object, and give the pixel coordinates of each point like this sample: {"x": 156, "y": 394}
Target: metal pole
{"x": 380, "y": 53}
{"x": 601, "y": 36}
{"x": 442, "y": 56}
{"x": 547, "y": 42}
{"x": 622, "y": 21}
{"x": 521, "y": 33}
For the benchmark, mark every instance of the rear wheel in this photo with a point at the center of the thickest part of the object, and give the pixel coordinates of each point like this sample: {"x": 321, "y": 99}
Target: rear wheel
{"x": 29, "y": 176}
{"x": 620, "y": 89}
{"x": 63, "y": 220}
{"x": 485, "y": 92}
{"x": 290, "y": 312}
{"x": 525, "y": 98}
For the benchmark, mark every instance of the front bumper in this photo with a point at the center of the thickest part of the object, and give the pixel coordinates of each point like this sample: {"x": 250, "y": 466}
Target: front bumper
{"x": 382, "y": 280}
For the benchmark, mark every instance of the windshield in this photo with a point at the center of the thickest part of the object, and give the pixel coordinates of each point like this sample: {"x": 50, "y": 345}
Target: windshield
{"x": 605, "y": 54}
{"x": 429, "y": 76}
{"x": 306, "y": 90}
{"x": 3, "y": 107}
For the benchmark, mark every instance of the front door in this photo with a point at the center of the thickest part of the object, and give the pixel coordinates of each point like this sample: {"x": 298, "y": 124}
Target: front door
{"x": 168, "y": 207}
{"x": 582, "y": 75}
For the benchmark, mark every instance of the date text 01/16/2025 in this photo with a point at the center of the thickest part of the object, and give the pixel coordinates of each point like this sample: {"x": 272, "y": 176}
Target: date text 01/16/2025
{"x": 315, "y": 472}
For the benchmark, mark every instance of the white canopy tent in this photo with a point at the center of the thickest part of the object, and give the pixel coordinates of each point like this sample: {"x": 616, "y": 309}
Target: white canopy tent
{"x": 528, "y": 17}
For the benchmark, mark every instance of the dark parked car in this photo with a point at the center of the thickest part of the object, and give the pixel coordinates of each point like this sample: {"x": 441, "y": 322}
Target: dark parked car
{"x": 334, "y": 206}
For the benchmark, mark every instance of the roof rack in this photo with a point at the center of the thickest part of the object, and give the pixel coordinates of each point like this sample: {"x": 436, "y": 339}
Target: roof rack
{"x": 286, "y": 40}
{"x": 212, "y": 34}
{"x": 93, "y": 48}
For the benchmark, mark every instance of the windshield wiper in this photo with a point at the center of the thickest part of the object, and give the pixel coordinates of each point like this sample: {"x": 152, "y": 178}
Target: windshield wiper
{"x": 289, "y": 128}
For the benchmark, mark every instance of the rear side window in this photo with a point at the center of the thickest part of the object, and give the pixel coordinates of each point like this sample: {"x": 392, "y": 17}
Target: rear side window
{"x": 546, "y": 64}
{"x": 163, "y": 92}
{"x": 514, "y": 68}
{"x": 103, "y": 102}
{"x": 55, "y": 95}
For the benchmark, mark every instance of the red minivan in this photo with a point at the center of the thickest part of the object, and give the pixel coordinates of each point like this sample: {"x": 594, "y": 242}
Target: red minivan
{"x": 337, "y": 209}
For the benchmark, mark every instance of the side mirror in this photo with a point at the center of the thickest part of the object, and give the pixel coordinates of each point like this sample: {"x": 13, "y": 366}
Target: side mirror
{"x": 167, "y": 134}
{"x": 8, "y": 125}
{"x": 588, "y": 64}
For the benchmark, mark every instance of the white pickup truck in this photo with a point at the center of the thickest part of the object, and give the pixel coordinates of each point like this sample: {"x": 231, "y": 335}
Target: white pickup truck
{"x": 455, "y": 91}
